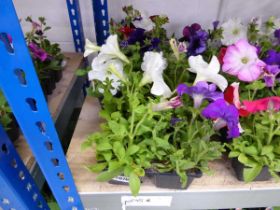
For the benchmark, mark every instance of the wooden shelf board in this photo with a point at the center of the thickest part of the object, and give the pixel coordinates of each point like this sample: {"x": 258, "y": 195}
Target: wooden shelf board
{"x": 222, "y": 179}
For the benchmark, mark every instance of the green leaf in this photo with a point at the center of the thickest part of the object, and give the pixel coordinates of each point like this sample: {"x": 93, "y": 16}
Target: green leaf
{"x": 251, "y": 150}
{"x": 257, "y": 85}
{"x": 81, "y": 72}
{"x": 132, "y": 149}
{"x": 267, "y": 149}
{"x": 119, "y": 150}
{"x": 103, "y": 146}
{"x": 233, "y": 154}
{"x": 117, "y": 128}
{"x": 107, "y": 155}
{"x": 134, "y": 184}
{"x": 86, "y": 144}
{"x": 250, "y": 174}
{"x": 242, "y": 158}
{"x": 108, "y": 175}
{"x": 98, "y": 167}
{"x": 186, "y": 164}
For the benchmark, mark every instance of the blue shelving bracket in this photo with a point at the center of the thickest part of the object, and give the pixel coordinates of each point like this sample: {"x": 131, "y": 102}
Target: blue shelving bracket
{"x": 73, "y": 7}
{"x": 100, "y": 12}
{"x": 18, "y": 189}
{"x": 21, "y": 87}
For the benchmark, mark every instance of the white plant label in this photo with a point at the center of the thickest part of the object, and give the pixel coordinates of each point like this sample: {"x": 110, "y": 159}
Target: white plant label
{"x": 146, "y": 201}
{"x": 123, "y": 179}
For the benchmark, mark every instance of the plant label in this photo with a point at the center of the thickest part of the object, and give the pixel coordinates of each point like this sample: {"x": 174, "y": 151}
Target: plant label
{"x": 145, "y": 201}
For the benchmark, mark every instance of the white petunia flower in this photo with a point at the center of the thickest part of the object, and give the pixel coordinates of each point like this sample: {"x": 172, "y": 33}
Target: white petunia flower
{"x": 103, "y": 69}
{"x": 145, "y": 22}
{"x": 112, "y": 50}
{"x": 153, "y": 66}
{"x": 90, "y": 48}
{"x": 207, "y": 72}
{"x": 233, "y": 30}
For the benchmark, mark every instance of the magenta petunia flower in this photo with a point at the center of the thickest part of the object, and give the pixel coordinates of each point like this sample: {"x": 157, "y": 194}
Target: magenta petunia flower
{"x": 201, "y": 91}
{"x": 38, "y": 52}
{"x": 241, "y": 60}
{"x": 223, "y": 115}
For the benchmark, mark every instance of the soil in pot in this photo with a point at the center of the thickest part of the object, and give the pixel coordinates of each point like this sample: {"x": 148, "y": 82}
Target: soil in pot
{"x": 239, "y": 168}
{"x": 171, "y": 180}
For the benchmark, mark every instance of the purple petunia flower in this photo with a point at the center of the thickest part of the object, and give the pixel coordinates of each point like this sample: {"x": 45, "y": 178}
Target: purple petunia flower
{"x": 198, "y": 43}
{"x": 272, "y": 58}
{"x": 37, "y": 52}
{"x": 223, "y": 115}
{"x": 138, "y": 35}
{"x": 174, "y": 121}
{"x": 277, "y": 35}
{"x": 271, "y": 71}
{"x": 215, "y": 24}
{"x": 199, "y": 92}
{"x": 197, "y": 38}
{"x": 190, "y": 31}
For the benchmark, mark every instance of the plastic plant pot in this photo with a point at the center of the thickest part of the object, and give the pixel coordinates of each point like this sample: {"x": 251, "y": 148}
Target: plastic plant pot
{"x": 57, "y": 75}
{"x": 171, "y": 180}
{"x": 239, "y": 168}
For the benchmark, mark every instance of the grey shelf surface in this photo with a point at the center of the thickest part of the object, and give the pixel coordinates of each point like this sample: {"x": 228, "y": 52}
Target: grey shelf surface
{"x": 221, "y": 190}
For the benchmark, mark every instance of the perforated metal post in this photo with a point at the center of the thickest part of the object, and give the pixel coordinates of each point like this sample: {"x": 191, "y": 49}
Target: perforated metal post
{"x": 18, "y": 189}
{"x": 100, "y": 12}
{"x": 76, "y": 24}
{"x": 22, "y": 90}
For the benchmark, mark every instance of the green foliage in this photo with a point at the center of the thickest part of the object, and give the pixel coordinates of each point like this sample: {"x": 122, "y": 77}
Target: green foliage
{"x": 5, "y": 112}
{"x": 259, "y": 145}
{"x": 37, "y": 36}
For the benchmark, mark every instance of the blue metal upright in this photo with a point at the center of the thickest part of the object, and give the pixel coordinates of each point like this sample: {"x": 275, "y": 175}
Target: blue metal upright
{"x": 21, "y": 87}
{"x": 76, "y": 24}
{"x": 18, "y": 189}
{"x": 100, "y": 12}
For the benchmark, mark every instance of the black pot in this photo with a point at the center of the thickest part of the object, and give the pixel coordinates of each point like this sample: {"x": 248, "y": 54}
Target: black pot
{"x": 171, "y": 180}
{"x": 13, "y": 132}
{"x": 57, "y": 75}
{"x": 52, "y": 79}
{"x": 46, "y": 87}
{"x": 239, "y": 168}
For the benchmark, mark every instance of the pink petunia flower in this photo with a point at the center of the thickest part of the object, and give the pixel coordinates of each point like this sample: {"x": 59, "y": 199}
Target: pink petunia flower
{"x": 241, "y": 60}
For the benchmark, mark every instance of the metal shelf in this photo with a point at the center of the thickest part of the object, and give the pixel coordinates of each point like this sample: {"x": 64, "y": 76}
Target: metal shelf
{"x": 61, "y": 105}
{"x": 222, "y": 190}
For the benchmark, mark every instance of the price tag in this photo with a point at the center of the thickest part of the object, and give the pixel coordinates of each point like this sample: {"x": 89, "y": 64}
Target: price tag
{"x": 145, "y": 201}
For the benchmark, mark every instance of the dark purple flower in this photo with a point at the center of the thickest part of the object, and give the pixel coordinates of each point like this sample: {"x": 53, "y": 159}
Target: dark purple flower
{"x": 37, "y": 52}
{"x": 136, "y": 36}
{"x": 199, "y": 92}
{"x": 154, "y": 44}
{"x": 215, "y": 24}
{"x": 277, "y": 35}
{"x": 198, "y": 43}
{"x": 124, "y": 43}
{"x": 223, "y": 115}
{"x": 272, "y": 58}
{"x": 271, "y": 71}
{"x": 189, "y": 31}
{"x": 174, "y": 121}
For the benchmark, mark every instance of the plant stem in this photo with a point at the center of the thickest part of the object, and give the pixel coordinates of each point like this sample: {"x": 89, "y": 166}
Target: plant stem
{"x": 271, "y": 133}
